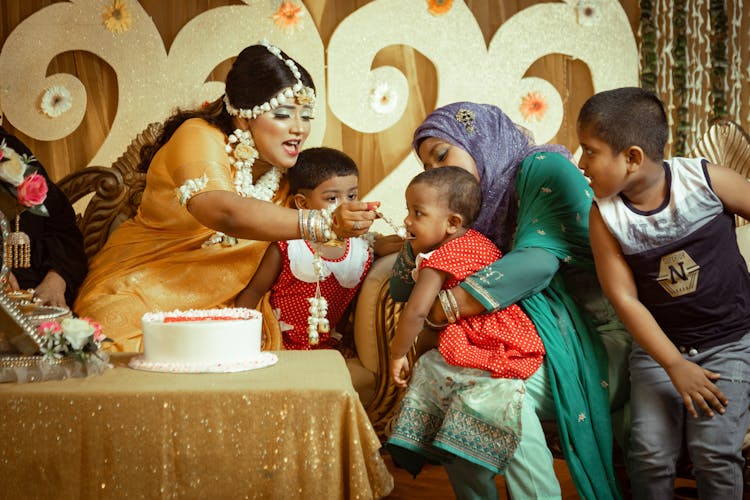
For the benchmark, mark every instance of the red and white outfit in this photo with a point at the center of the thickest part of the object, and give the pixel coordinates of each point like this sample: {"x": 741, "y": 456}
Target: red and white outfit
{"x": 297, "y": 282}
{"x": 503, "y": 342}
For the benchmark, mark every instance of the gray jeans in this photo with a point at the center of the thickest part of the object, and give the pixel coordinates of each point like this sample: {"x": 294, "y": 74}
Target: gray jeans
{"x": 660, "y": 421}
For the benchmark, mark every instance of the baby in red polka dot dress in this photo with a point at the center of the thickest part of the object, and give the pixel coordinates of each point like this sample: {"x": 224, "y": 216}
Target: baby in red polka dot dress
{"x": 464, "y": 399}
{"x": 293, "y": 270}
{"x": 443, "y": 204}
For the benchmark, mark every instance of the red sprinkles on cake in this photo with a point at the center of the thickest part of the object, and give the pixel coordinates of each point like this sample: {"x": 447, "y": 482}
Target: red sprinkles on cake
{"x": 226, "y": 314}
{"x": 176, "y": 319}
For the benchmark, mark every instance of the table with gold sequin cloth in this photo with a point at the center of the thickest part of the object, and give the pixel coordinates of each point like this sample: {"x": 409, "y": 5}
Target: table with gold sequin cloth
{"x": 293, "y": 430}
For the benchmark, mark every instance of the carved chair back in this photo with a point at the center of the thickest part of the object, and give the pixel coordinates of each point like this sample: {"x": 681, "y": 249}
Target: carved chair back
{"x": 114, "y": 192}
{"x": 727, "y": 144}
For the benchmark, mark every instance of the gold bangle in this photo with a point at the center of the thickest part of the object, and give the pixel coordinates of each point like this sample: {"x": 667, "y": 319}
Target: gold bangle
{"x": 453, "y": 303}
{"x": 435, "y": 326}
{"x": 312, "y": 214}
{"x": 301, "y": 222}
{"x": 445, "y": 303}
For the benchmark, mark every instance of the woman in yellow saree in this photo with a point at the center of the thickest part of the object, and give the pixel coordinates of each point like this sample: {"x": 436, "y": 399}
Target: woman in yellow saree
{"x": 214, "y": 197}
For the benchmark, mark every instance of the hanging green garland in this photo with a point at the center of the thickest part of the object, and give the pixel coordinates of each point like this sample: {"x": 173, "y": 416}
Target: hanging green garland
{"x": 718, "y": 58}
{"x": 679, "y": 78}
{"x": 648, "y": 46}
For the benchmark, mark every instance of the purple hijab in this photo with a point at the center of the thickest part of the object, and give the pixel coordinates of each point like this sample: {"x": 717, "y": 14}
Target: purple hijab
{"x": 498, "y": 147}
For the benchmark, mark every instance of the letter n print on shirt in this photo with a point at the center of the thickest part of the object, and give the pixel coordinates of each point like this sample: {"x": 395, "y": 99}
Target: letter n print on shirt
{"x": 678, "y": 273}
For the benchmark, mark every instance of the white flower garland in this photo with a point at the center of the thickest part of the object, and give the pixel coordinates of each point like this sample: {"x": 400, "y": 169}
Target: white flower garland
{"x": 191, "y": 186}
{"x": 242, "y": 156}
{"x": 317, "y": 320}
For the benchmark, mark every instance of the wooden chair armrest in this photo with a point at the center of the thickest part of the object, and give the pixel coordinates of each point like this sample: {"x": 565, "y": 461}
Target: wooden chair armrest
{"x": 108, "y": 190}
{"x": 376, "y": 318}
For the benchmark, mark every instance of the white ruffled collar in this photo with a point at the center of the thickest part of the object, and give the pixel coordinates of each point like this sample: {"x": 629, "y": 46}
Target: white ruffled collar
{"x": 347, "y": 269}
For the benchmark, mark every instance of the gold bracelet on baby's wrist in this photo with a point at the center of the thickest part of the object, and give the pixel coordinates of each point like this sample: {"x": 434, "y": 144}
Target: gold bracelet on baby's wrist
{"x": 447, "y": 310}
{"x": 435, "y": 326}
{"x": 453, "y": 304}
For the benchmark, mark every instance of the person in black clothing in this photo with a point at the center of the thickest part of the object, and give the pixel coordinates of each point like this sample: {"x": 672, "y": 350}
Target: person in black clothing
{"x": 58, "y": 260}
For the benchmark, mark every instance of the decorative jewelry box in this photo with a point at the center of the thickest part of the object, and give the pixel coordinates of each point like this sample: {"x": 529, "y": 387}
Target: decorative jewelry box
{"x": 34, "y": 345}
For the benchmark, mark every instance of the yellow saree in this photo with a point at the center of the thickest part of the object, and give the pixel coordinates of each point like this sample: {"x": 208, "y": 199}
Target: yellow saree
{"x": 156, "y": 261}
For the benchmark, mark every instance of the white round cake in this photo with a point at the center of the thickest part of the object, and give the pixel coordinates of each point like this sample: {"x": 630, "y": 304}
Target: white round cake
{"x": 211, "y": 340}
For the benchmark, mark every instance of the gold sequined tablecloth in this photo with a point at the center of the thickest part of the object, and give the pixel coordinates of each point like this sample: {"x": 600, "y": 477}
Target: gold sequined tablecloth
{"x": 293, "y": 430}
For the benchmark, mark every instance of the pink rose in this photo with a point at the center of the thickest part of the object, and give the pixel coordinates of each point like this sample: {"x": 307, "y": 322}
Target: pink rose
{"x": 32, "y": 191}
{"x": 98, "y": 334}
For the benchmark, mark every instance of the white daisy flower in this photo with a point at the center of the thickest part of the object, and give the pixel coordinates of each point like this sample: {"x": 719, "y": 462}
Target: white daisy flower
{"x": 56, "y": 100}
{"x": 383, "y": 99}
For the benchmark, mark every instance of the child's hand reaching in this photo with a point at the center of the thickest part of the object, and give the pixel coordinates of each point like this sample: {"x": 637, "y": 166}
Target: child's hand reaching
{"x": 696, "y": 387}
{"x": 400, "y": 371}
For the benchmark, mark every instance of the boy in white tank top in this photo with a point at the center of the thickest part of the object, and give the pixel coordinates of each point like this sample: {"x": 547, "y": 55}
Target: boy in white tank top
{"x": 662, "y": 235}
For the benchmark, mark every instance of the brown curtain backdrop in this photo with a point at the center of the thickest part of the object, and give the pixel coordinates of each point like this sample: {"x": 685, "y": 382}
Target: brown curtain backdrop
{"x": 376, "y": 153}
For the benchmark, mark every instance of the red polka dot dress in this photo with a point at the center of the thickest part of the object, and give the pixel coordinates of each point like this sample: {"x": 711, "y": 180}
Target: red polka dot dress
{"x": 296, "y": 283}
{"x": 504, "y": 342}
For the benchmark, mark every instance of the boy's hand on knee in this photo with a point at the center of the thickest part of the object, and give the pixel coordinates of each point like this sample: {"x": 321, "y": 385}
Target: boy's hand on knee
{"x": 696, "y": 388}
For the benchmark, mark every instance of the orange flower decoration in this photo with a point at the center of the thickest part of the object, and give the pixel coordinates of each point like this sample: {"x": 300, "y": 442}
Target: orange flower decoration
{"x": 117, "y": 17}
{"x": 439, "y": 7}
{"x": 287, "y": 18}
{"x": 533, "y": 106}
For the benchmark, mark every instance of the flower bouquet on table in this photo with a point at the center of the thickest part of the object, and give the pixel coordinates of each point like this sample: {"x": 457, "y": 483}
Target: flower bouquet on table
{"x": 76, "y": 338}
{"x": 70, "y": 347}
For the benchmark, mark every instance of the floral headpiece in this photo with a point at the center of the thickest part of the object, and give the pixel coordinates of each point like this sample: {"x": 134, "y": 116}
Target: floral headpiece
{"x": 299, "y": 92}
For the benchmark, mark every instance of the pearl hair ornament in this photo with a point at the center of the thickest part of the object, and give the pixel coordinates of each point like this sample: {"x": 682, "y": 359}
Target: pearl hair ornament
{"x": 297, "y": 92}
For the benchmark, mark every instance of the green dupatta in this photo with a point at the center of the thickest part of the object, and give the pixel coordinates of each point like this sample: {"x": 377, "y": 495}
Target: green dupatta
{"x": 554, "y": 201}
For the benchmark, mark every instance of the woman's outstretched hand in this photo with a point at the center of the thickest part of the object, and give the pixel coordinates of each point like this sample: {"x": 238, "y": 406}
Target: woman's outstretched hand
{"x": 354, "y": 218}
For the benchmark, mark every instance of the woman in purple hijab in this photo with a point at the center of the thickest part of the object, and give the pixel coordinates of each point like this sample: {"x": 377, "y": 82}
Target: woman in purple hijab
{"x": 535, "y": 208}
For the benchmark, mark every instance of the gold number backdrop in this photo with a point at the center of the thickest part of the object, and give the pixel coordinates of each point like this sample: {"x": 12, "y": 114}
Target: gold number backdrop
{"x": 389, "y": 62}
